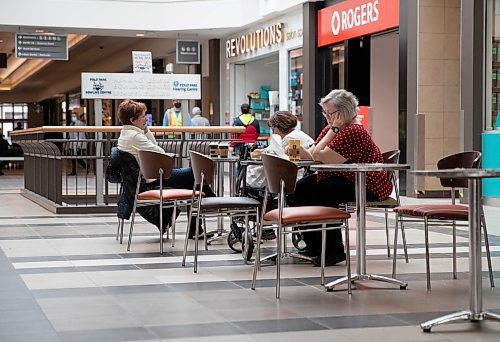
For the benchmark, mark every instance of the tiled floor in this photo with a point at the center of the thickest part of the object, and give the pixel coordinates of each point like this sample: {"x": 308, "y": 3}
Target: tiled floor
{"x": 66, "y": 278}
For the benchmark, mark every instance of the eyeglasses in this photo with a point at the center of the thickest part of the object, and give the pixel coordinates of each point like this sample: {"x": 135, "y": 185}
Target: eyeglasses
{"x": 328, "y": 114}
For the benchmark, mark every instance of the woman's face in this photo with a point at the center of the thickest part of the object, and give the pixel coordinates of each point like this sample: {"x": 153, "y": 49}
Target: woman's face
{"x": 332, "y": 115}
{"x": 276, "y": 130}
{"x": 140, "y": 122}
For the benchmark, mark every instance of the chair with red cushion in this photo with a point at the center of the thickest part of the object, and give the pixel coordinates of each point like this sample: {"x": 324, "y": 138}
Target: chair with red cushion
{"x": 281, "y": 177}
{"x": 444, "y": 214}
{"x": 154, "y": 165}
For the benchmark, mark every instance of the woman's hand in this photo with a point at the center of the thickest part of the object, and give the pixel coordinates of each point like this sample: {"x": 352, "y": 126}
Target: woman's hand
{"x": 146, "y": 129}
{"x": 256, "y": 153}
{"x": 337, "y": 121}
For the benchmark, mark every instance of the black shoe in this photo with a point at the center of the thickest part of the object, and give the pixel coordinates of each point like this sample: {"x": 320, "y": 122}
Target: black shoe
{"x": 329, "y": 260}
{"x": 268, "y": 234}
{"x": 307, "y": 252}
{"x": 72, "y": 174}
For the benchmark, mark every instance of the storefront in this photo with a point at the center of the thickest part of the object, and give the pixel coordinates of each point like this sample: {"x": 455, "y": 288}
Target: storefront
{"x": 358, "y": 43}
{"x": 262, "y": 66}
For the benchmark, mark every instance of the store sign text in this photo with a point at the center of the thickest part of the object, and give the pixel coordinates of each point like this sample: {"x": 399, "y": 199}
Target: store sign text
{"x": 356, "y": 18}
{"x": 255, "y": 40}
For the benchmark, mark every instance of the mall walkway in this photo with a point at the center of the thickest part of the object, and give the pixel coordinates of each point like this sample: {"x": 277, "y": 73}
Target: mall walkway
{"x": 66, "y": 278}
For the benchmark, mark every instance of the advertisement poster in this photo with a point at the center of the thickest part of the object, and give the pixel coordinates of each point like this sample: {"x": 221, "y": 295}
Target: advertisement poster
{"x": 142, "y": 61}
{"x": 141, "y": 86}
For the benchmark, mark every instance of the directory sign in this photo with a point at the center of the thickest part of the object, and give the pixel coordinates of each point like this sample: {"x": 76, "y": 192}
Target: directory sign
{"x": 45, "y": 46}
{"x": 188, "y": 52}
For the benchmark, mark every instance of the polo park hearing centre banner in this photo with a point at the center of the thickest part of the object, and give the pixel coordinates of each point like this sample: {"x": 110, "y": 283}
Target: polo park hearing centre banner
{"x": 141, "y": 86}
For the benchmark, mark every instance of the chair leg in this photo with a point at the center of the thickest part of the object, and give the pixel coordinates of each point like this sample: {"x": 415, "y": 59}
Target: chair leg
{"x": 386, "y": 214}
{"x": 348, "y": 257}
{"x": 174, "y": 215}
{"x": 278, "y": 260}
{"x": 256, "y": 265}
{"x": 454, "y": 231}
{"x": 427, "y": 254}
{"x": 403, "y": 237}
{"x": 205, "y": 240}
{"x": 131, "y": 230}
{"x": 186, "y": 240}
{"x": 196, "y": 233}
{"x": 395, "y": 252}
{"x": 323, "y": 247}
{"x": 487, "y": 244}
{"x": 118, "y": 229}
{"x": 161, "y": 226}
{"x": 244, "y": 247}
{"x": 122, "y": 223}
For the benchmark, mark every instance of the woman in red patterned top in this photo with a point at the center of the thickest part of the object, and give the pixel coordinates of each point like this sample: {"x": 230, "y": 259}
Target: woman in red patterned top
{"x": 343, "y": 140}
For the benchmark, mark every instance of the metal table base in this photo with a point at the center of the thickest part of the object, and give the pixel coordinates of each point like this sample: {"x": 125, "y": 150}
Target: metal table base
{"x": 475, "y": 312}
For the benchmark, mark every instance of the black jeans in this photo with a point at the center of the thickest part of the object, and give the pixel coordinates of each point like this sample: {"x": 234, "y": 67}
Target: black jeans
{"x": 182, "y": 178}
{"x": 329, "y": 192}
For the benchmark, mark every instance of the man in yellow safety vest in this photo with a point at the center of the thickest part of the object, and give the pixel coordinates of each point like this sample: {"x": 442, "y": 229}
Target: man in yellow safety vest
{"x": 173, "y": 116}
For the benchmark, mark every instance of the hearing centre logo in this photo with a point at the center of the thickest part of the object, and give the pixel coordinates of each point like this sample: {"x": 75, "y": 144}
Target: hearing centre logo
{"x": 185, "y": 87}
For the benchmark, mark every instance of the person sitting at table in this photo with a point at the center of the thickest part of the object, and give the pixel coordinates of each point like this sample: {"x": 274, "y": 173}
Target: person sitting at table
{"x": 343, "y": 140}
{"x": 135, "y": 136}
{"x": 283, "y": 128}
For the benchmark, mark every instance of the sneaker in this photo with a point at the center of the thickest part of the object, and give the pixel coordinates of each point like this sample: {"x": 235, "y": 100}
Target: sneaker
{"x": 329, "y": 260}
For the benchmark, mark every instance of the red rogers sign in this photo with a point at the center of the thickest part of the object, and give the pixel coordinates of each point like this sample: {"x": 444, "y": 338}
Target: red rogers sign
{"x": 356, "y": 18}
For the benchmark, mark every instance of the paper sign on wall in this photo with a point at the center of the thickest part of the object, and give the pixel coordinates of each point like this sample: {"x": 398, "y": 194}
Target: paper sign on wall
{"x": 142, "y": 61}
{"x": 141, "y": 86}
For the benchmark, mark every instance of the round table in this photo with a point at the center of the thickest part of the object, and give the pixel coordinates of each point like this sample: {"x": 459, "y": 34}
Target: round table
{"x": 360, "y": 171}
{"x": 475, "y": 312}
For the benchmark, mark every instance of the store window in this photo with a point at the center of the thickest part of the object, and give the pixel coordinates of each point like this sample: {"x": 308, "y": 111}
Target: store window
{"x": 296, "y": 80}
{"x": 338, "y": 67}
{"x": 10, "y": 115}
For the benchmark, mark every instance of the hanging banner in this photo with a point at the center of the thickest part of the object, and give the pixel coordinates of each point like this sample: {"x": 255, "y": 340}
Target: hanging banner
{"x": 141, "y": 86}
{"x": 356, "y": 18}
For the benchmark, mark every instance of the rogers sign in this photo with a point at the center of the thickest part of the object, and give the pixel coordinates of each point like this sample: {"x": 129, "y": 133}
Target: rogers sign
{"x": 356, "y": 18}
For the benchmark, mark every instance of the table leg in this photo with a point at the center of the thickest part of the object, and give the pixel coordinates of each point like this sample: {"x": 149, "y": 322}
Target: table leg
{"x": 475, "y": 312}
{"x": 361, "y": 241}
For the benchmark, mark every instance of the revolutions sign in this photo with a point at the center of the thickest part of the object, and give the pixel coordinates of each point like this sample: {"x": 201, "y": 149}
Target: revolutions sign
{"x": 46, "y": 46}
{"x": 253, "y": 41}
{"x": 141, "y": 86}
{"x": 356, "y": 18}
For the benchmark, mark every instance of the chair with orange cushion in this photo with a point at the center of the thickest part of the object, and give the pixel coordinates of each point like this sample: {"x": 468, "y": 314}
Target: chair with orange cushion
{"x": 281, "y": 177}
{"x": 154, "y": 165}
{"x": 444, "y": 214}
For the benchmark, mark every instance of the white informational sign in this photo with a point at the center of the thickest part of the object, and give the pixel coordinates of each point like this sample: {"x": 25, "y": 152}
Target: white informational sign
{"x": 142, "y": 61}
{"x": 141, "y": 86}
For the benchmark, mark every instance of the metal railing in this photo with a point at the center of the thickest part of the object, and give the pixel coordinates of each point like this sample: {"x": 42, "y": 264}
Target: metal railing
{"x": 68, "y": 175}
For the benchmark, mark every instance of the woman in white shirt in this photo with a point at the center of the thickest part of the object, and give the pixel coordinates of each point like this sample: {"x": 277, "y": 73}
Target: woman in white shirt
{"x": 282, "y": 125}
{"x": 135, "y": 136}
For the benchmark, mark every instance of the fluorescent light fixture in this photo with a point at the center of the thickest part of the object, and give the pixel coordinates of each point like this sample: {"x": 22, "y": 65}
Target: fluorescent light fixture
{"x": 139, "y": 34}
{"x": 39, "y": 31}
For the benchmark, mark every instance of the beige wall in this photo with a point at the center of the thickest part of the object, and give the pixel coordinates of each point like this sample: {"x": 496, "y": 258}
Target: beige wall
{"x": 439, "y": 80}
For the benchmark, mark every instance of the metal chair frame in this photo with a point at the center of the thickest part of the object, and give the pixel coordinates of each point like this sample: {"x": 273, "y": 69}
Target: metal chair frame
{"x": 282, "y": 231}
{"x": 207, "y": 177}
{"x": 432, "y": 219}
{"x": 174, "y": 203}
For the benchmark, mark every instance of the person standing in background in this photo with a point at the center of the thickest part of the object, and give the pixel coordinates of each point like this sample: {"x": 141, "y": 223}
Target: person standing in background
{"x": 19, "y": 126}
{"x": 173, "y": 116}
{"x": 197, "y": 119}
{"x": 77, "y": 145}
{"x": 252, "y": 128}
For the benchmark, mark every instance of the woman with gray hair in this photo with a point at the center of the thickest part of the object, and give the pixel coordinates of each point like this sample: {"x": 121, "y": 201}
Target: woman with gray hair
{"x": 343, "y": 140}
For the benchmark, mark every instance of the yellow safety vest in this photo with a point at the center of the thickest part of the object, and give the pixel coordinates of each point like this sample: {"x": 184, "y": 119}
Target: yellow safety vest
{"x": 174, "y": 118}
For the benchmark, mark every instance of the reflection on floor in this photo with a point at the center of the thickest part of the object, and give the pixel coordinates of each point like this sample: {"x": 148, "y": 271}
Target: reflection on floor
{"x": 67, "y": 278}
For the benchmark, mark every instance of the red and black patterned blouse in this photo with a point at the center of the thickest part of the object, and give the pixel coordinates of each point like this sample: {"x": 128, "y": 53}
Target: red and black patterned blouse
{"x": 357, "y": 146}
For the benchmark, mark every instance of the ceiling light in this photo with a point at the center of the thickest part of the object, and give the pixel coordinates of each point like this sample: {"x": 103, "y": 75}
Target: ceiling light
{"x": 39, "y": 31}
{"x": 1, "y": 40}
{"x": 139, "y": 34}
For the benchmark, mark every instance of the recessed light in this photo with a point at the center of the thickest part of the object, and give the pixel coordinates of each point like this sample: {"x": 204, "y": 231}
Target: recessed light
{"x": 39, "y": 31}
{"x": 139, "y": 34}
{"x": 1, "y": 40}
